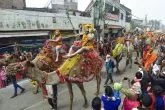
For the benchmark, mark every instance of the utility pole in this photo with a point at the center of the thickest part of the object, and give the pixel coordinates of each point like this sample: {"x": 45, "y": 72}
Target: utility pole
{"x": 67, "y": 13}
{"x": 103, "y": 21}
{"x": 98, "y": 18}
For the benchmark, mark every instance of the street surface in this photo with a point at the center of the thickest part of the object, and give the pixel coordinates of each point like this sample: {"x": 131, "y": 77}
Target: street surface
{"x": 30, "y": 101}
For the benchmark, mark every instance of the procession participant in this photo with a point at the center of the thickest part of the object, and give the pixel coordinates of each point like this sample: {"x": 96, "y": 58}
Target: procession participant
{"x": 119, "y": 47}
{"x": 149, "y": 58}
{"x": 77, "y": 44}
{"x": 56, "y": 44}
{"x": 136, "y": 46}
{"x": 87, "y": 43}
{"x": 117, "y": 51}
{"x": 52, "y": 95}
{"x": 82, "y": 64}
{"x": 109, "y": 69}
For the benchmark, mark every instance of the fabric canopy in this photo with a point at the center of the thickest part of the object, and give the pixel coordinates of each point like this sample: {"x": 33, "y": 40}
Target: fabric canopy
{"x": 23, "y": 34}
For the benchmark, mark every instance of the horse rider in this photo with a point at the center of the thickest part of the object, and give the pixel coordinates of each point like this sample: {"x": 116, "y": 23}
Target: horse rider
{"x": 56, "y": 44}
{"x": 87, "y": 43}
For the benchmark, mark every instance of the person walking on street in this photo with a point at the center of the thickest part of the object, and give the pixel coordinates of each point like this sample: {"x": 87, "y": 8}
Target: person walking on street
{"x": 109, "y": 68}
{"x": 2, "y": 77}
{"x": 52, "y": 95}
{"x": 14, "y": 81}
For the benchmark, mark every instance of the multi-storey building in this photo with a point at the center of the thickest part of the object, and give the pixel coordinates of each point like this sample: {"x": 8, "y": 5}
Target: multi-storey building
{"x": 110, "y": 16}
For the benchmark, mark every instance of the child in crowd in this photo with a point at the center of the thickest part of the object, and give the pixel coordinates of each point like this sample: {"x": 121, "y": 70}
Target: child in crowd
{"x": 96, "y": 103}
{"x": 111, "y": 99}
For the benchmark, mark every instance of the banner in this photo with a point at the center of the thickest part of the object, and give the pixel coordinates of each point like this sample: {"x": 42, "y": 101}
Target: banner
{"x": 110, "y": 16}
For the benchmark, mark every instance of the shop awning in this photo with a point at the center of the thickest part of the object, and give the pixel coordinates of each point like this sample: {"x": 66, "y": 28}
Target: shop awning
{"x": 23, "y": 34}
{"x": 34, "y": 34}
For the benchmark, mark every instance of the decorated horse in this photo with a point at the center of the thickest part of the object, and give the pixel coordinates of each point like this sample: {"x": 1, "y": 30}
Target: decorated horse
{"x": 50, "y": 57}
{"x": 78, "y": 68}
{"x": 129, "y": 51}
{"x": 117, "y": 52}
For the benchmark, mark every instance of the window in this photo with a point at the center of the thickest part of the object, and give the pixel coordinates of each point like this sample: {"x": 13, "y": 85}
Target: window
{"x": 121, "y": 16}
{"x": 54, "y": 19}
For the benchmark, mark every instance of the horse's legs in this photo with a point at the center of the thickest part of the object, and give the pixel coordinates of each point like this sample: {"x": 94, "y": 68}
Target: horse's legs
{"x": 98, "y": 79}
{"x": 81, "y": 87}
{"x": 127, "y": 62}
{"x": 71, "y": 94}
{"x": 36, "y": 88}
{"x": 130, "y": 61}
{"x": 117, "y": 65}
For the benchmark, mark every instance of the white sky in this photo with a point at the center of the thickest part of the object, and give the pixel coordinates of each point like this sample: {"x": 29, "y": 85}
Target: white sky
{"x": 153, "y": 8}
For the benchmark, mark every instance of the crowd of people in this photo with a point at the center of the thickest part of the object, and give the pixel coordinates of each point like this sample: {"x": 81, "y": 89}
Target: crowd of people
{"x": 147, "y": 90}
{"x": 20, "y": 56}
{"x": 161, "y": 39}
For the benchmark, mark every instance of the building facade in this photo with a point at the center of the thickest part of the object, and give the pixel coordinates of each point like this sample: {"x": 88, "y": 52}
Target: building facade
{"x": 23, "y": 25}
{"x": 65, "y": 4}
{"x": 110, "y": 16}
{"x": 128, "y": 17}
{"x": 21, "y": 20}
{"x": 12, "y": 4}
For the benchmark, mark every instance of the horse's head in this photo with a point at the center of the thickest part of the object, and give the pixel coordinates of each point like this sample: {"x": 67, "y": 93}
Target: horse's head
{"x": 13, "y": 58}
{"x": 34, "y": 72}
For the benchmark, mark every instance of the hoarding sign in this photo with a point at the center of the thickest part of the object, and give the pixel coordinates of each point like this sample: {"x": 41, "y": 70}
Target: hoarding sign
{"x": 110, "y": 16}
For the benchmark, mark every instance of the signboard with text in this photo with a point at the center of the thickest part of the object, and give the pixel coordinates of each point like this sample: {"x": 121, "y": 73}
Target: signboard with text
{"x": 110, "y": 16}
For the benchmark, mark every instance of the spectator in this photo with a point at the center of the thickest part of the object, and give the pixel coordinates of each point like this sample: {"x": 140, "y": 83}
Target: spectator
{"x": 22, "y": 57}
{"x": 158, "y": 80}
{"x": 132, "y": 95}
{"x": 2, "y": 77}
{"x": 111, "y": 99}
{"x": 14, "y": 81}
{"x": 146, "y": 101}
{"x": 161, "y": 55}
{"x": 96, "y": 103}
{"x": 159, "y": 98}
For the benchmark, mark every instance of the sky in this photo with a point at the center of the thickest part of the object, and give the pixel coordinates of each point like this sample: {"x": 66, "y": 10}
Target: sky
{"x": 154, "y": 9}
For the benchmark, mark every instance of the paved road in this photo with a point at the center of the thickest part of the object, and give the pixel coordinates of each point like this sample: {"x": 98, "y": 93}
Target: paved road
{"x": 29, "y": 101}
